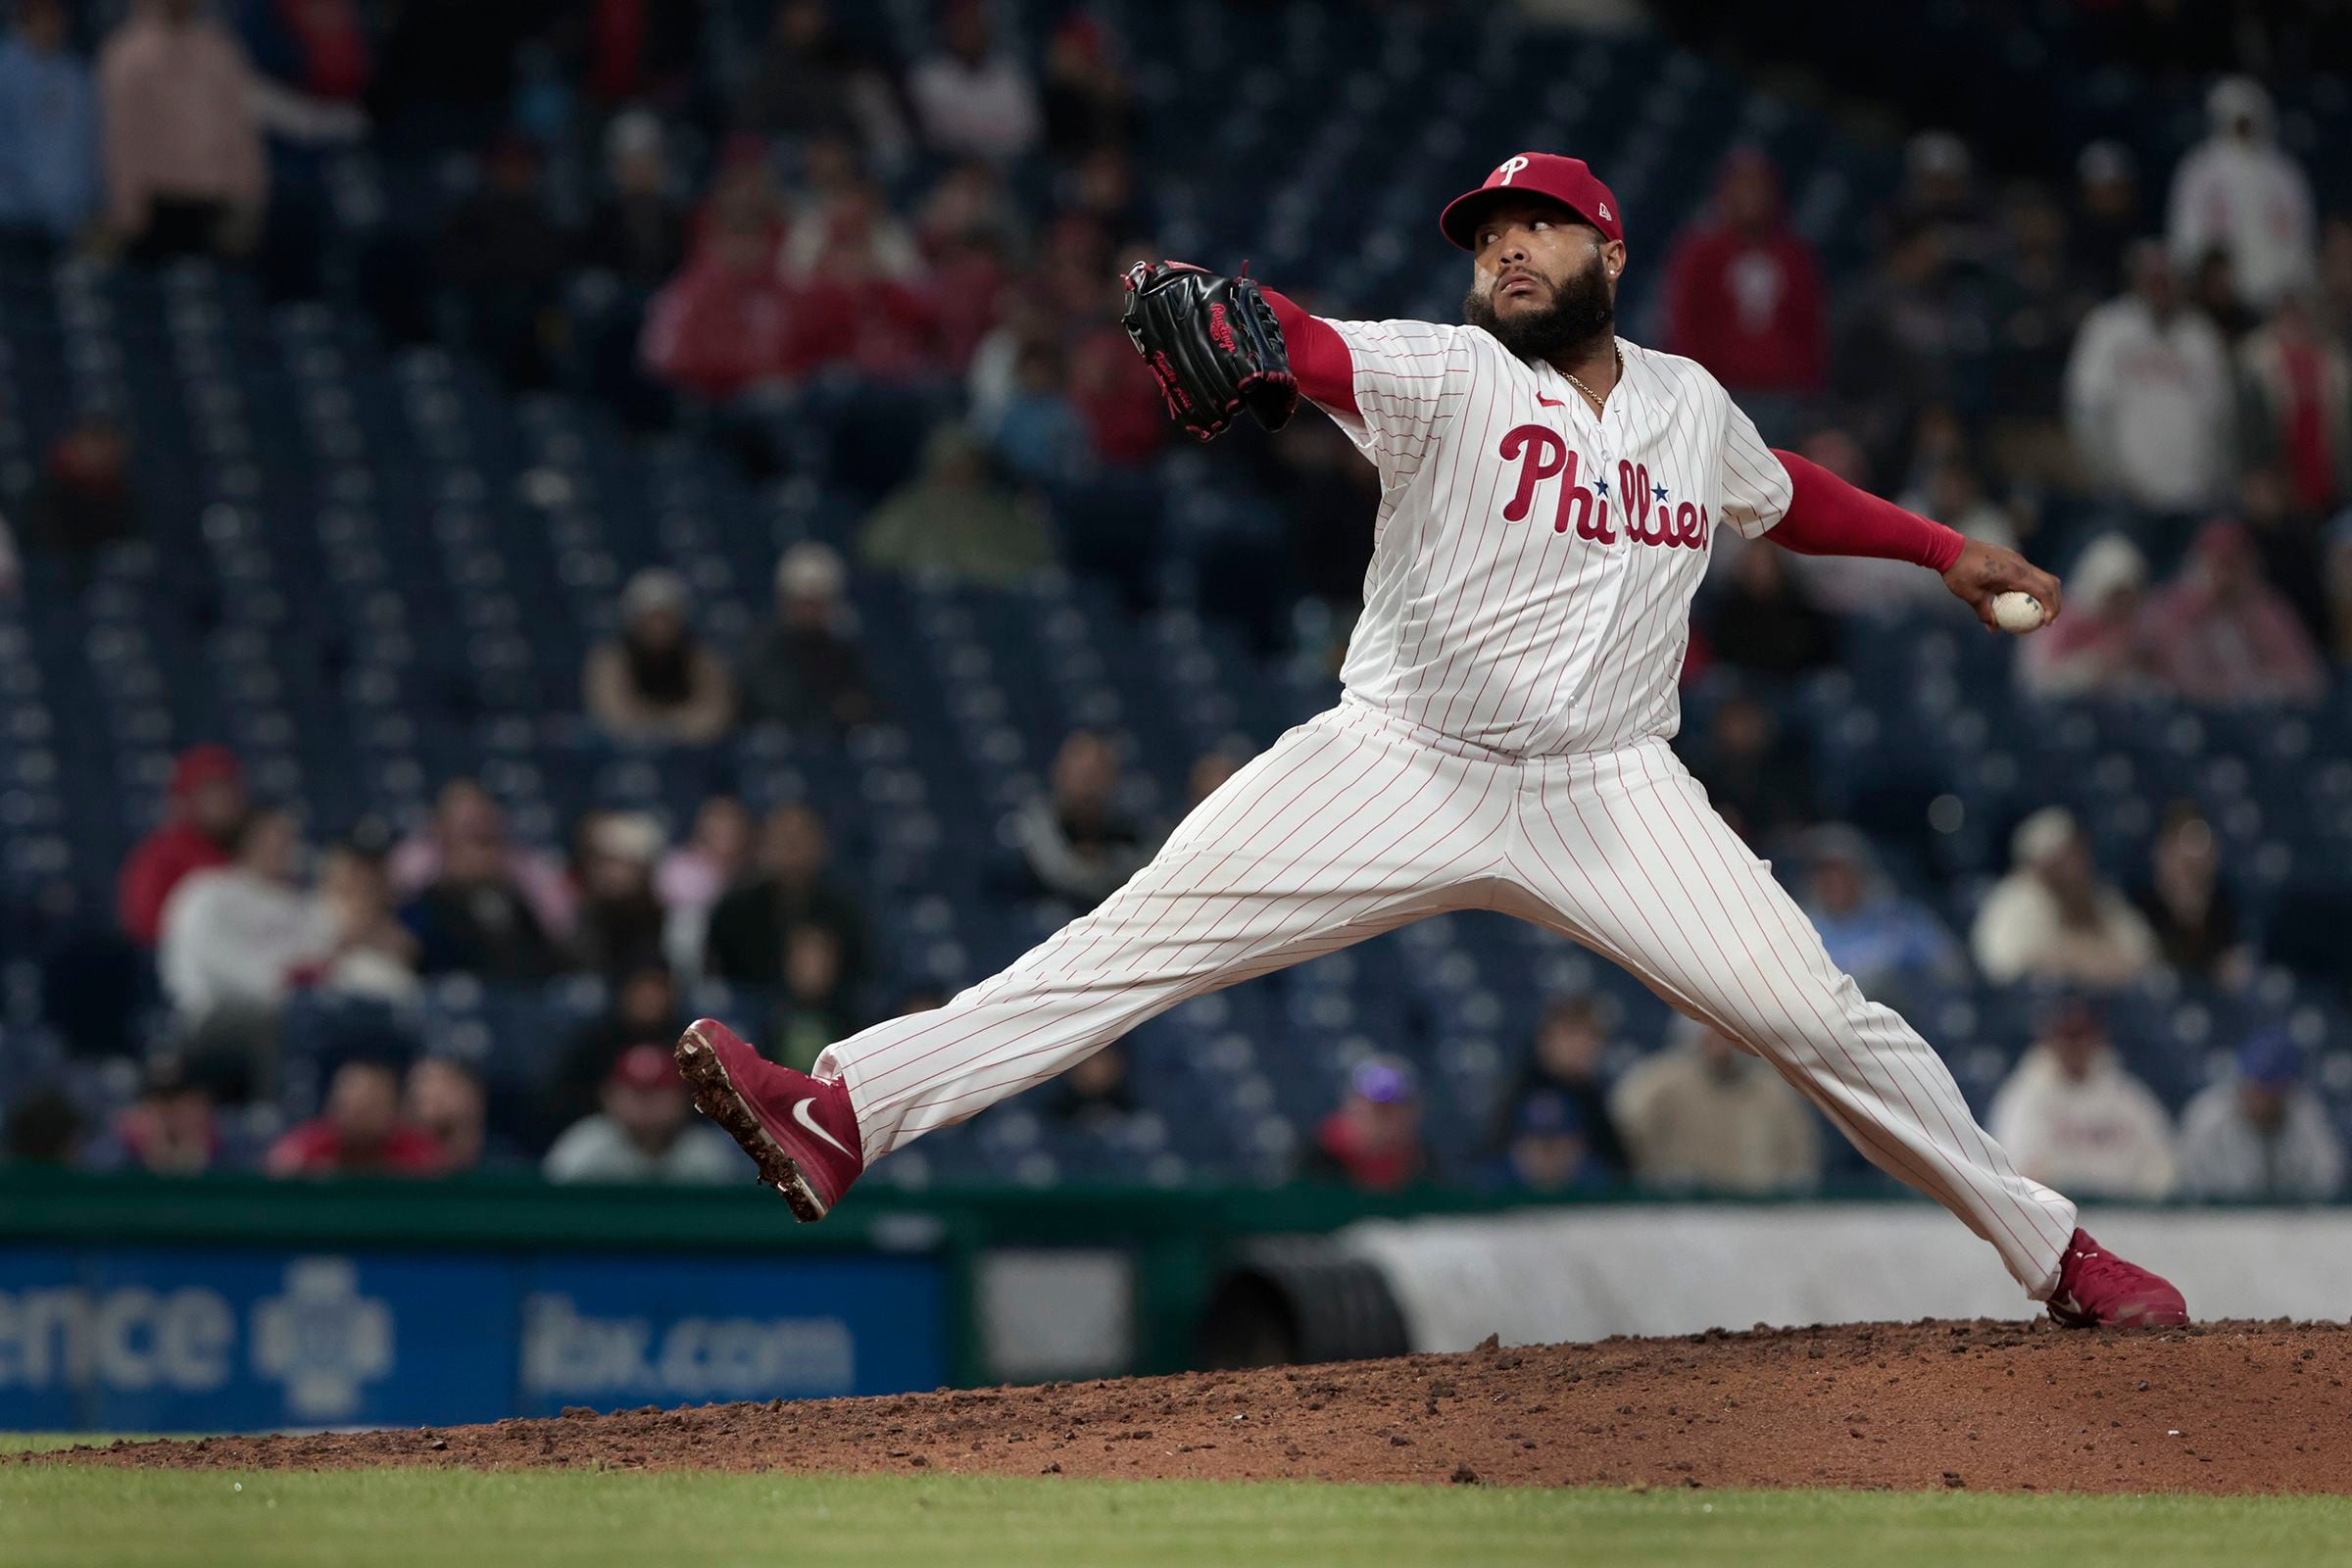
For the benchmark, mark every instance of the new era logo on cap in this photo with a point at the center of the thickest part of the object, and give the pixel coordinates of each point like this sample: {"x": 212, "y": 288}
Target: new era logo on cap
{"x": 1565, "y": 180}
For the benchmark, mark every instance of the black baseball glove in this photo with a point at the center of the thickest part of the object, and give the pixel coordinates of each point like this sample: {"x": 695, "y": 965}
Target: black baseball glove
{"x": 1212, "y": 342}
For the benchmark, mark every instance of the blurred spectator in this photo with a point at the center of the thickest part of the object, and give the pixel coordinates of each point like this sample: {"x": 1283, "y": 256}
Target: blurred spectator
{"x": 2188, "y": 904}
{"x": 201, "y": 817}
{"x": 375, "y": 955}
{"x": 244, "y": 934}
{"x": 1095, "y": 1095}
{"x": 810, "y": 81}
{"x": 637, "y": 232}
{"x": 1758, "y": 777}
{"x": 2213, "y": 294}
{"x": 836, "y": 203}
{"x": 444, "y": 1102}
{"x": 747, "y": 928}
{"x": 2260, "y": 1136}
{"x": 1565, "y": 1064}
{"x": 2073, "y": 1118}
{"x": 955, "y": 521}
{"x": 801, "y": 669}
{"x": 1113, "y": 392}
{"x": 2239, "y": 192}
{"x": 1744, "y": 294}
{"x": 658, "y": 682}
{"x": 2054, "y": 919}
{"x": 814, "y": 1010}
{"x": 474, "y": 917}
{"x": 1037, "y": 433}
{"x": 621, "y": 923}
{"x": 11, "y": 565}
{"x": 1766, "y": 622}
{"x": 500, "y": 254}
{"x": 42, "y": 1128}
{"x": 84, "y": 501}
{"x": 173, "y": 1128}
{"x": 644, "y": 1133}
{"x": 698, "y": 873}
{"x": 2107, "y": 215}
{"x": 1548, "y": 1151}
{"x": 1886, "y": 941}
{"x": 1074, "y": 841}
{"x": 2227, "y": 637}
{"x": 1898, "y": 332}
{"x": 2295, "y": 403}
{"x": 1373, "y": 1141}
{"x": 644, "y": 1011}
{"x": 48, "y": 129}
{"x": 2040, "y": 299}
{"x": 1941, "y": 195}
{"x": 1703, "y": 1113}
{"x": 314, "y": 52}
{"x": 848, "y": 308}
{"x": 718, "y": 326}
{"x": 2148, "y": 395}
{"x": 358, "y": 1133}
{"x": 2288, "y": 547}
{"x": 1088, "y": 102}
{"x": 184, "y": 170}
{"x": 970, "y": 99}
{"x": 2102, "y": 646}
{"x": 467, "y": 818}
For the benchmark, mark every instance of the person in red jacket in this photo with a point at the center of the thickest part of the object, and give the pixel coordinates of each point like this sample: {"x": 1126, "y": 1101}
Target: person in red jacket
{"x": 1742, "y": 292}
{"x": 359, "y": 1132}
{"x": 722, "y": 324}
{"x": 206, "y": 805}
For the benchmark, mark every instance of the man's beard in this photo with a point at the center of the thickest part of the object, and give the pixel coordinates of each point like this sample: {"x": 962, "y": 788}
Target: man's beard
{"x": 1579, "y": 312}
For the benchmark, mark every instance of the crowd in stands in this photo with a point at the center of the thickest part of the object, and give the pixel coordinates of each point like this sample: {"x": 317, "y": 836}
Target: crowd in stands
{"x": 2141, "y": 376}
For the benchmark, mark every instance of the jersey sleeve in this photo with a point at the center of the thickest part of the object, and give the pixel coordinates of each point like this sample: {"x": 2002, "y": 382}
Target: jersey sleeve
{"x": 1403, "y": 372}
{"x": 1755, "y": 487}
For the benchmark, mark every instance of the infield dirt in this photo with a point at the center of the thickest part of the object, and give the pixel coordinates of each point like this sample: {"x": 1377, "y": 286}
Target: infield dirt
{"x": 2218, "y": 1407}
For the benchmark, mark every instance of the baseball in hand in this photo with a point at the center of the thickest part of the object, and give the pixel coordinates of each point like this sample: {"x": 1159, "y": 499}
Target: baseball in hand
{"x": 2017, "y": 613}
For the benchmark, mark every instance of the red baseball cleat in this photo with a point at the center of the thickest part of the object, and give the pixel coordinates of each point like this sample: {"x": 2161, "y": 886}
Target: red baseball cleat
{"x": 799, "y": 1130}
{"x": 2098, "y": 1290}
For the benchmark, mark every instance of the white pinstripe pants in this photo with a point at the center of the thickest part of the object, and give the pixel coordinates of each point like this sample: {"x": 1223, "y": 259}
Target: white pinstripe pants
{"x": 1355, "y": 824}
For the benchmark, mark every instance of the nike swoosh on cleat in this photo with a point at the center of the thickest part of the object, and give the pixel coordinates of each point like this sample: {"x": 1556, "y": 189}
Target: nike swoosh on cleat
{"x": 800, "y": 1114}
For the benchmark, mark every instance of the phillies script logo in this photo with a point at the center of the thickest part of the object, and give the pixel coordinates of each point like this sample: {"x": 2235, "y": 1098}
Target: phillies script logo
{"x": 1645, "y": 514}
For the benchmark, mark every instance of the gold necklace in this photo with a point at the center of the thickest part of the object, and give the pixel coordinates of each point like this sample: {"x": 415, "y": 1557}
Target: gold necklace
{"x": 1590, "y": 395}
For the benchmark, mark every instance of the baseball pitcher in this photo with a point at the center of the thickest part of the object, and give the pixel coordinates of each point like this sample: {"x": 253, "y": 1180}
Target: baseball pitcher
{"x": 1549, "y": 493}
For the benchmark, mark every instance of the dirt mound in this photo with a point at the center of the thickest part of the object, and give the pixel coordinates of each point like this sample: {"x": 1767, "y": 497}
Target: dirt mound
{"x": 2223, "y": 1407}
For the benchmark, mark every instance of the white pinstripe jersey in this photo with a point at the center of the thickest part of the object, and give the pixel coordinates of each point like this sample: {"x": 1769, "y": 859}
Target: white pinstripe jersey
{"x": 1514, "y": 599}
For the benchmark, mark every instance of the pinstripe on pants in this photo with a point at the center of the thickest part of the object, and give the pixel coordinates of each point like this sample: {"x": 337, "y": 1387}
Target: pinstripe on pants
{"x": 1355, "y": 823}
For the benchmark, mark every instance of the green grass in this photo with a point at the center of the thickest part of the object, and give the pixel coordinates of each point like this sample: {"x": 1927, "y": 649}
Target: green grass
{"x": 455, "y": 1519}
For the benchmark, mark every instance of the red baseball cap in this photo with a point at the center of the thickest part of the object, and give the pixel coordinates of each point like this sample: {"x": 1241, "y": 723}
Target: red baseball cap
{"x": 1565, "y": 180}
{"x": 646, "y": 1067}
{"x": 203, "y": 765}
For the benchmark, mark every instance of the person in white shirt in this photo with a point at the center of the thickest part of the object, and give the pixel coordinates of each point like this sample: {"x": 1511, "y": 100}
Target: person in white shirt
{"x": 2260, "y": 1134}
{"x": 2240, "y": 193}
{"x": 2053, "y": 917}
{"x": 2149, "y": 395}
{"x": 644, "y": 1133}
{"x": 246, "y": 934}
{"x": 970, "y": 100}
{"x": 239, "y": 935}
{"x": 2071, "y": 1115}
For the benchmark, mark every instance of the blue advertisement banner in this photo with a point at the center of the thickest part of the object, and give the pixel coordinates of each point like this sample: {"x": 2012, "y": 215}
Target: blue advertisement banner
{"x": 174, "y": 1339}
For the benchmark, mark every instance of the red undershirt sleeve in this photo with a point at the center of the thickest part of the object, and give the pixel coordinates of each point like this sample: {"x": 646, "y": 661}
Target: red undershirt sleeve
{"x": 1319, "y": 357}
{"x": 1826, "y": 516}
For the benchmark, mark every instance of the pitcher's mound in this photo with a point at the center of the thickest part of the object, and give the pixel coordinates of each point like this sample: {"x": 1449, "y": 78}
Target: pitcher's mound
{"x": 2219, "y": 1407}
